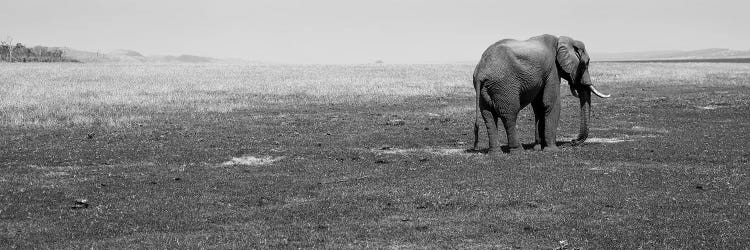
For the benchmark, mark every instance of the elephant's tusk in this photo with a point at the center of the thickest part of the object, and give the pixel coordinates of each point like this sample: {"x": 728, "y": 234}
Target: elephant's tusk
{"x": 573, "y": 92}
{"x": 597, "y": 93}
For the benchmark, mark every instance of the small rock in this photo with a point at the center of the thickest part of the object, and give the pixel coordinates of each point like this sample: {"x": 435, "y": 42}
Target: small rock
{"x": 177, "y": 178}
{"x": 395, "y": 122}
{"x": 90, "y": 136}
{"x": 563, "y": 245}
{"x": 80, "y": 204}
{"x": 424, "y": 206}
{"x": 532, "y": 204}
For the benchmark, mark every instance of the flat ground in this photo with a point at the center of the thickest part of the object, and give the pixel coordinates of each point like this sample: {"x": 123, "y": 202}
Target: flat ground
{"x": 363, "y": 156}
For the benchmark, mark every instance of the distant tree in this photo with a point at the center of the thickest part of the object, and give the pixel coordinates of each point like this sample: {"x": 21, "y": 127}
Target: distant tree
{"x": 8, "y": 41}
{"x": 39, "y": 51}
{"x": 379, "y": 61}
{"x": 20, "y": 52}
{"x": 4, "y": 52}
{"x": 57, "y": 54}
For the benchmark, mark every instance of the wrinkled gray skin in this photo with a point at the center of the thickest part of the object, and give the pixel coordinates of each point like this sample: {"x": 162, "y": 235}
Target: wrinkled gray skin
{"x": 513, "y": 74}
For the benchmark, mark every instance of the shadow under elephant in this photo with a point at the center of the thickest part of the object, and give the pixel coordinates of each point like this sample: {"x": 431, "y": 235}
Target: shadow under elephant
{"x": 525, "y": 146}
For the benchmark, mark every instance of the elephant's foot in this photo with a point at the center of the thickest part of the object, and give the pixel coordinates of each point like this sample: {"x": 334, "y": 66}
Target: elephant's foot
{"x": 474, "y": 150}
{"x": 494, "y": 151}
{"x": 538, "y": 147}
{"x": 515, "y": 150}
{"x": 551, "y": 149}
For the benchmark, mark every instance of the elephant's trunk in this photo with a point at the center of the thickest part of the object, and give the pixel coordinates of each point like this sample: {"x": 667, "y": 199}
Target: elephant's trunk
{"x": 584, "y": 96}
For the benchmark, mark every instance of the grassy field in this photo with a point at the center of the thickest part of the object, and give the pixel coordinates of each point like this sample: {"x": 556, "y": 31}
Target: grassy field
{"x": 364, "y": 156}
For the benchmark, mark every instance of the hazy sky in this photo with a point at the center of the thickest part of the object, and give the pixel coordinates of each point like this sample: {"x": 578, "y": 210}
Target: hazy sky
{"x": 350, "y": 31}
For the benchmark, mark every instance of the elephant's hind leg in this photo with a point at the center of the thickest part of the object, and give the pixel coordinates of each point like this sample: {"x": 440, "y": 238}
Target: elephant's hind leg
{"x": 507, "y": 106}
{"x": 509, "y": 122}
{"x": 490, "y": 121}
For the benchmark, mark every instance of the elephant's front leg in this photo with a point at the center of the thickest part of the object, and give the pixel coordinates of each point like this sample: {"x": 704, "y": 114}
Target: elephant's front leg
{"x": 538, "y": 108}
{"x": 551, "y": 118}
{"x": 549, "y": 111}
{"x": 546, "y": 126}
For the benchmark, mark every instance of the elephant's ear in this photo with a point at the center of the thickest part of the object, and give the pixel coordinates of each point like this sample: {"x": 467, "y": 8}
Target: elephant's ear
{"x": 566, "y": 55}
{"x": 583, "y": 55}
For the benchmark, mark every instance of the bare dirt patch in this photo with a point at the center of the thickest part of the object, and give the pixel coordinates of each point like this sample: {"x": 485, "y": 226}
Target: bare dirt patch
{"x": 708, "y": 107}
{"x": 600, "y": 139}
{"x": 426, "y": 150}
{"x": 647, "y": 129}
{"x": 252, "y": 160}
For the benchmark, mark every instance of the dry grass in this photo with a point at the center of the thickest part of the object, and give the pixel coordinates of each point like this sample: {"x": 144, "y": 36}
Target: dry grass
{"x": 670, "y": 74}
{"x": 123, "y": 95}
{"x": 115, "y": 95}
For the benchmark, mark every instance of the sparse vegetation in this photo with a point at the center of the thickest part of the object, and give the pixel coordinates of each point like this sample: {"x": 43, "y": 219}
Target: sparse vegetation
{"x": 290, "y": 156}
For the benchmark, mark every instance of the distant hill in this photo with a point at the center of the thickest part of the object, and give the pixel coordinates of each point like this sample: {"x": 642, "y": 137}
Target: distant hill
{"x": 671, "y": 55}
{"x": 183, "y": 59}
{"x": 130, "y": 56}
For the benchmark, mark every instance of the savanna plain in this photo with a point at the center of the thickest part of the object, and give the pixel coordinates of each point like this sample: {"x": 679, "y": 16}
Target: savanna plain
{"x": 364, "y": 156}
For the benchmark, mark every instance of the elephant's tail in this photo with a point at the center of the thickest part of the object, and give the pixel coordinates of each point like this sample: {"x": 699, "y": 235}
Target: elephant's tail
{"x": 478, "y": 115}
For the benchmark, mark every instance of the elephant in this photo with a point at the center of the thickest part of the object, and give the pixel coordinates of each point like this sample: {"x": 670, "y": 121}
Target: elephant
{"x": 513, "y": 74}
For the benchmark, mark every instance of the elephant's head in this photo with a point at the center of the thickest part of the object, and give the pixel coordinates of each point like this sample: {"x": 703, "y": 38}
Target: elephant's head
{"x": 573, "y": 62}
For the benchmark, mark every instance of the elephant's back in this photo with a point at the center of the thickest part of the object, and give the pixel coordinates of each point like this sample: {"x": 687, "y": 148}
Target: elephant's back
{"x": 513, "y": 60}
